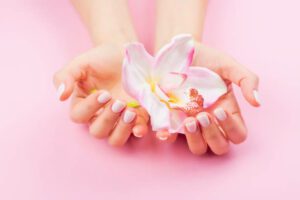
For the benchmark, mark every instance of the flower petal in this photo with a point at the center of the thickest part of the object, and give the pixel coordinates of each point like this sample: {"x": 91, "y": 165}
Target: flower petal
{"x": 172, "y": 81}
{"x": 136, "y": 68}
{"x": 209, "y": 84}
{"x": 157, "y": 110}
{"x": 177, "y": 121}
{"x": 175, "y": 56}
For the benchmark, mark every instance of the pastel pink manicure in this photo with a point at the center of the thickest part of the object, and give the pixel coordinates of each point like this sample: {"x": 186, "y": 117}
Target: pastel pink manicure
{"x": 118, "y": 106}
{"x": 104, "y": 97}
{"x": 191, "y": 126}
{"x": 203, "y": 119}
{"x": 220, "y": 114}
{"x": 129, "y": 116}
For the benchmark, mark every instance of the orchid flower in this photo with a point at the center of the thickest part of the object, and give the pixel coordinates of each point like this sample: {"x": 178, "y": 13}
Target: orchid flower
{"x": 167, "y": 86}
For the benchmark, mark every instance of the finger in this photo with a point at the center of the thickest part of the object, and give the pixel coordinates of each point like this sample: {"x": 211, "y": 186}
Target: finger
{"x": 141, "y": 127}
{"x": 195, "y": 141}
{"x": 212, "y": 134}
{"x": 245, "y": 79}
{"x": 65, "y": 79}
{"x": 123, "y": 129}
{"x": 104, "y": 123}
{"x": 230, "y": 119}
{"x": 83, "y": 109}
{"x": 232, "y": 125}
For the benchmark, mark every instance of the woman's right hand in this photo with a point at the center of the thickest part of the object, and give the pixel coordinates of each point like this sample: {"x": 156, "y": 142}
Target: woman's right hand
{"x": 98, "y": 99}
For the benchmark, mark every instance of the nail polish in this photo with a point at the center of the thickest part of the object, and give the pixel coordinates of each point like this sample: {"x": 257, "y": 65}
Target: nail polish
{"x": 61, "y": 90}
{"x": 118, "y": 106}
{"x": 220, "y": 114}
{"x": 162, "y": 138}
{"x": 104, "y": 97}
{"x": 128, "y": 116}
{"x": 256, "y": 96}
{"x": 203, "y": 119}
{"x": 191, "y": 126}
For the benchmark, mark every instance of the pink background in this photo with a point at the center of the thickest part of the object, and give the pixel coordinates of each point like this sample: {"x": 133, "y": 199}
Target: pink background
{"x": 45, "y": 156}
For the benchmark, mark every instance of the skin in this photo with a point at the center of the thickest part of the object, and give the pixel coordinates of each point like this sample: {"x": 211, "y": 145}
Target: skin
{"x": 219, "y": 133}
{"x": 99, "y": 70}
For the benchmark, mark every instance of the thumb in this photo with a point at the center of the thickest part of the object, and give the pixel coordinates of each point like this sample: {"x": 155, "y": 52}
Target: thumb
{"x": 65, "y": 79}
{"x": 244, "y": 78}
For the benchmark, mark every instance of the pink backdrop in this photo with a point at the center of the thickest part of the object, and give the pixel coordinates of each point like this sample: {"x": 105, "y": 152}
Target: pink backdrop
{"x": 45, "y": 156}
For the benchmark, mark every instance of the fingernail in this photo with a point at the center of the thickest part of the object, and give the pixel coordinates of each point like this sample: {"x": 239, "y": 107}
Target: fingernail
{"x": 104, "y": 97}
{"x": 220, "y": 114}
{"x": 203, "y": 119}
{"x": 136, "y": 133}
{"x": 129, "y": 116}
{"x": 163, "y": 138}
{"x": 118, "y": 106}
{"x": 256, "y": 96}
{"x": 191, "y": 126}
{"x": 60, "y": 90}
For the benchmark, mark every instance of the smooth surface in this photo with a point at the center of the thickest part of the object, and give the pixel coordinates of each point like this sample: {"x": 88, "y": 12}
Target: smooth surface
{"x": 45, "y": 156}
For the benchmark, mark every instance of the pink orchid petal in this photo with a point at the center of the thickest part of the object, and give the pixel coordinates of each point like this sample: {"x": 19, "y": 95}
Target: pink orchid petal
{"x": 172, "y": 81}
{"x": 209, "y": 84}
{"x": 177, "y": 121}
{"x": 136, "y": 68}
{"x": 158, "y": 111}
{"x": 175, "y": 56}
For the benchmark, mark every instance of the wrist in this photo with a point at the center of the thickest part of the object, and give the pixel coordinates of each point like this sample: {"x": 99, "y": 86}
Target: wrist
{"x": 164, "y": 38}
{"x": 114, "y": 37}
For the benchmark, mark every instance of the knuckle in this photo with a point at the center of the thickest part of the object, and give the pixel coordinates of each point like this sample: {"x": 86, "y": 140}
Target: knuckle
{"x": 221, "y": 150}
{"x": 76, "y": 116}
{"x": 116, "y": 142}
{"x": 239, "y": 138}
{"x": 98, "y": 133}
{"x": 198, "y": 151}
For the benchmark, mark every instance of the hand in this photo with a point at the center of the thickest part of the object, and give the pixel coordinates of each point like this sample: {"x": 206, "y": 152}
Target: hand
{"x": 94, "y": 79}
{"x": 223, "y": 121}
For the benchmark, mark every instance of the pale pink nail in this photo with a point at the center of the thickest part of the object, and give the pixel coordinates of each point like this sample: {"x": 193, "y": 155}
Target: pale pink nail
{"x": 203, "y": 119}
{"x": 104, "y": 97}
{"x": 118, "y": 106}
{"x": 256, "y": 96}
{"x": 128, "y": 116}
{"x": 162, "y": 138}
{"x": 220, "y": 114}
{"x": 60, "y": 90}
{"x": 191, "y": 126}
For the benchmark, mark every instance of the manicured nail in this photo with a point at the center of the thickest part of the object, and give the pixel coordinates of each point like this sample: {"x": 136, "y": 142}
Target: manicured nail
{"x": 136, "y": 133}
{"x": 191, "y": 126}
{"x": 104, "y": 97}
{"x": 203, "y": 119}
{"x": 220, "y": 114}
{"x": 118, "y": 106}
{"x": 256, "y": 96}
{"x": 60, "y": 90}
{"x": 128, "y": 116}
{"x": 163, "y": 138}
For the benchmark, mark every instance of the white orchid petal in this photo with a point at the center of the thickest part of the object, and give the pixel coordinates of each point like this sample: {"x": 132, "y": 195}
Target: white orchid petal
{"x": 172, "y": 81}
{"x": 209, "y": 84}
{"x": 175, "y": 56}
{"x": 157, "y": 110}
{"x": 136, "y": 68}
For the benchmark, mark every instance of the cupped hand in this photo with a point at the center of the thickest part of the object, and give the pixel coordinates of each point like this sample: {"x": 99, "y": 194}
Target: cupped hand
{"x": 222, "y": 123}
{"x": 93, "y": 79}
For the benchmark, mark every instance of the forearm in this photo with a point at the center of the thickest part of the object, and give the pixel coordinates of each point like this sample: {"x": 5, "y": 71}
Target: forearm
{"x": 179, "y": 16}
{"x": 107, "y": 21}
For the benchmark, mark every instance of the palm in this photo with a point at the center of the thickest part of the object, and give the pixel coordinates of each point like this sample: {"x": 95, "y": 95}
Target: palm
{"x": 103, "y": 72}
{"x": 216, "y": 61}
